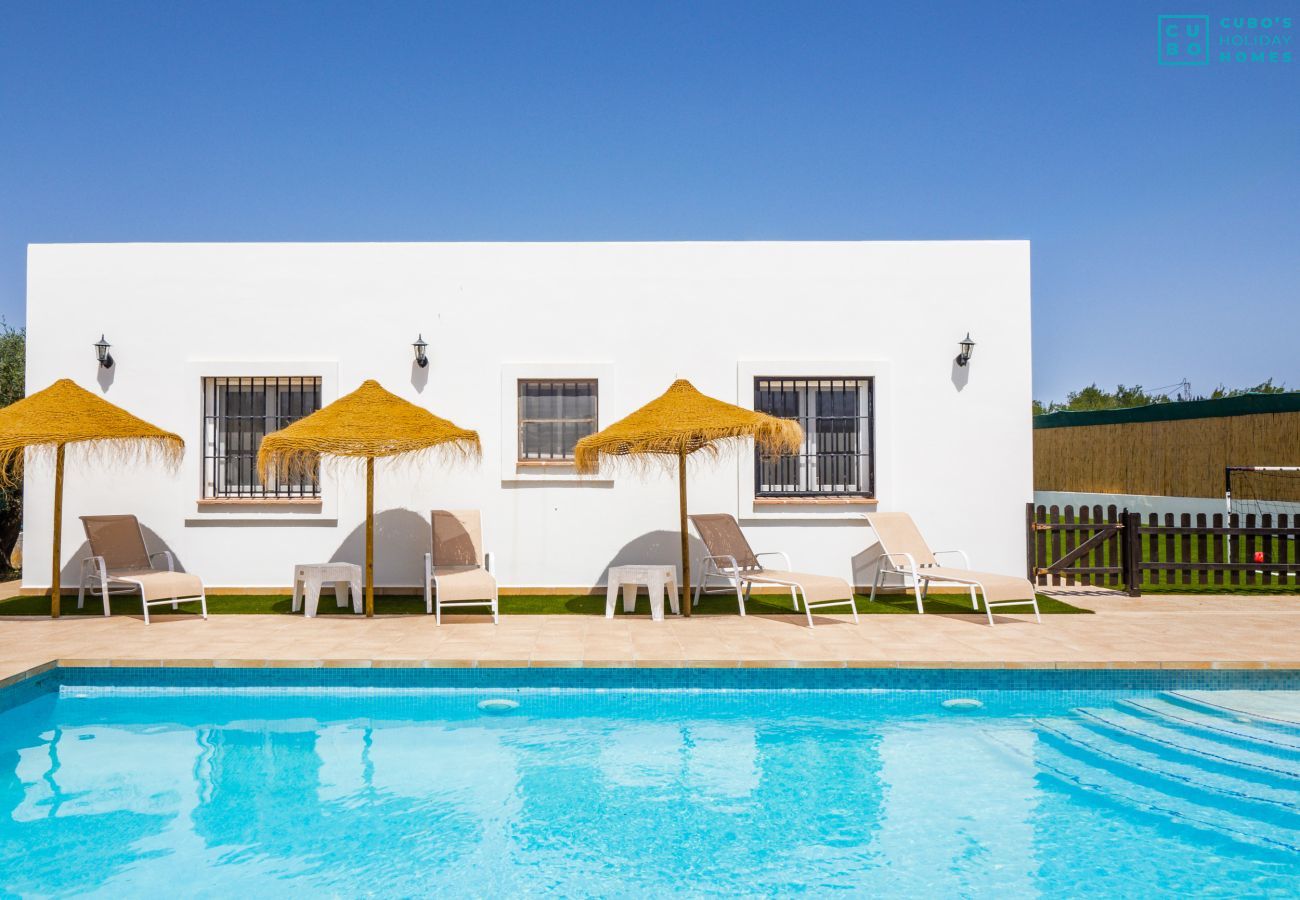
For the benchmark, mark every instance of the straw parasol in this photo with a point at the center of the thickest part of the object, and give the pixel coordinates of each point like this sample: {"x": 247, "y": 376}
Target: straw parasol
{"x": 369, "y": 423}
{"x": 66, "y": 413}
{"x": 680, "y": 422}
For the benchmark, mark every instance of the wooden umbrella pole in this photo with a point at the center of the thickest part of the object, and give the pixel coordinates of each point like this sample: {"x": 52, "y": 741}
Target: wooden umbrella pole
{"x": 58, "y": 533}
{"x": 370, "y": 537}
{"x": 686, "y": 547}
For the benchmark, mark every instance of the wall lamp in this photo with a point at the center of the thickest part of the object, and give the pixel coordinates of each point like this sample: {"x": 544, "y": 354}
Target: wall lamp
{"x": 967, "y": 350}
{"x": 101, "y": 353}
{"x": 420, "y": 345}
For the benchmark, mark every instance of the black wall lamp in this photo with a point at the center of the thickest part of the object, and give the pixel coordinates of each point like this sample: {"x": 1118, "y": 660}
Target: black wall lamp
{"x": 967, "y": 350}
{"x": 420, "y": 345}
{"x": 101, "y": 353}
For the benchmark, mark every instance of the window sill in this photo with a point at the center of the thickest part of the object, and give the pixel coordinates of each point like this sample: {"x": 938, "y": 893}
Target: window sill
{"x": 815, "y": 501}
{"x": 545, "y": 463}
{"x": 257, "y": 501}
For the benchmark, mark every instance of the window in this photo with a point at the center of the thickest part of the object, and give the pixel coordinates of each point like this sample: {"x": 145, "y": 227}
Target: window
{"x": 553, "y": 416}
{"x": 237, "y": 414}
{"x": 836, "y": 459}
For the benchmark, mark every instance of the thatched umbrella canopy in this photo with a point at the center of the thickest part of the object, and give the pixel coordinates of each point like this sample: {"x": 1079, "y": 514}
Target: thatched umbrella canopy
{"x": 369, "y": 423}
{"x": 680, "y": 422}
{"x": 66, "y": 413}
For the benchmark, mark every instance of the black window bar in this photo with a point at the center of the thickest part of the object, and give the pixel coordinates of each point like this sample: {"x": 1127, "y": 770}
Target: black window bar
{"x": 237, "y": 414}
{"x": 837, "y": 416}
{"x": 554, "y": 415}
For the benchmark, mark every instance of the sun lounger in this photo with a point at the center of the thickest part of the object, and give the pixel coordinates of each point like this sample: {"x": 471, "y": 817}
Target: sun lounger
{"x": 907, "y": 554}
{"x": 458, "y": 573}
{"x": 121, "y": 563}
{"x": 732, "y": 560}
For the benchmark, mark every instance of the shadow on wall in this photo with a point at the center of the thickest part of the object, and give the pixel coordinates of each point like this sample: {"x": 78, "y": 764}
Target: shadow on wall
{"x": 419, "y": 376}
{"x": 865, "y": 563}
{"x": 655, "y": 548}
{"x": 402, "y": 537}
{"x": 153, "y": 543}
{"x": 960, "y": 375}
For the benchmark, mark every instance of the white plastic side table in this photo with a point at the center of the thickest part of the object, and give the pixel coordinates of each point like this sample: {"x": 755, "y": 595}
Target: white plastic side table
{"x": 655, "y": 578}
{"x": 308, "y": 578}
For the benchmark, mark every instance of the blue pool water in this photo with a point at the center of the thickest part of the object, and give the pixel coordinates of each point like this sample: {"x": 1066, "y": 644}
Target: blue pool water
{"x": 130, "y": 791}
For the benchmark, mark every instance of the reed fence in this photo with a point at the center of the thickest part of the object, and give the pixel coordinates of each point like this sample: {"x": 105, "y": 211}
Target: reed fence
{"x": 1169, "y": 459}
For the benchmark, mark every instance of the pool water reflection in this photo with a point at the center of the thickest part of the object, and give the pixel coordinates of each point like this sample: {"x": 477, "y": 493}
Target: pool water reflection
{"x": 587, "y": 793}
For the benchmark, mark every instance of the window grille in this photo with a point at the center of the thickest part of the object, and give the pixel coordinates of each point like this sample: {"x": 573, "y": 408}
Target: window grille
{"x": 838, "y": 420}
{"x": 553, "y": 416}
{"x": 237, "y": 414}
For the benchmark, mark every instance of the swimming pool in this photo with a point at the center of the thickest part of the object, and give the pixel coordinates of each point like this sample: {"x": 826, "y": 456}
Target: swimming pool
{"x": 637, "y": 782}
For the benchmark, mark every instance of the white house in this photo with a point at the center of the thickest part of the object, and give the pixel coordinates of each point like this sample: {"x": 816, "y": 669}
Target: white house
{"x": 534, "y": 345}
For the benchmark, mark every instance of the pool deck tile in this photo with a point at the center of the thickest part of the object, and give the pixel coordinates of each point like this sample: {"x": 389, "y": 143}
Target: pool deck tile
{"x": 1158, "y": 632}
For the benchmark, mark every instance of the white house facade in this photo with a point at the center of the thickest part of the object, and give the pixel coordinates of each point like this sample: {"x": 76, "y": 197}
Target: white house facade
{"x": 534, "y": 345}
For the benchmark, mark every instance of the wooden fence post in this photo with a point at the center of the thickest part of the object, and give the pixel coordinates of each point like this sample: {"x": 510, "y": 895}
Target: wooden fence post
{"x": 1031, "y": 558}
{"x": 1132, "y": 552}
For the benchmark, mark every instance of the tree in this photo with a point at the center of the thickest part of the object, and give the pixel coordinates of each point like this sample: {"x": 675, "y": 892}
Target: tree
{"x": 1093, "y": 397}
{"x": 13, "y": 366}
{"x": 1264, "y": 387}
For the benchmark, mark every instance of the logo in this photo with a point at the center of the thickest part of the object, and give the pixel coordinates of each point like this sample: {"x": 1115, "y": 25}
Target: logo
{"x": 1189, "y": 40}
{"x": 1183, "y": 40}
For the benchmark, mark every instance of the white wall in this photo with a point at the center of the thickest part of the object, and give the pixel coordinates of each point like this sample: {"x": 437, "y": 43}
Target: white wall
{"x": 953, "y": 444}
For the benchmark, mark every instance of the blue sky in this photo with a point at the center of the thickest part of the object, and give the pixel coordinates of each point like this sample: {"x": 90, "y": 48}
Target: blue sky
{"x": 1163, "y": 203}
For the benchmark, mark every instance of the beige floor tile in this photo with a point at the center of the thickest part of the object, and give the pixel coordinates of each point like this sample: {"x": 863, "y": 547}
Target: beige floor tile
{"x": 1166, "y": 631}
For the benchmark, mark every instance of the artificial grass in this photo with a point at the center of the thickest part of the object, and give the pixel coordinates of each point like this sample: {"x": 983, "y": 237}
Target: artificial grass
{"x": 516, "y": 605}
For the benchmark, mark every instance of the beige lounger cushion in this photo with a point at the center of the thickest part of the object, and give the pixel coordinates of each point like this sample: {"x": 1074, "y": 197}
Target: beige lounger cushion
{"x": 458, "y": 556}
{"x": 159, "y": 584}
{"x": 816, "y": 588}
{"x": 996, "y": 587}
{"x": 457, "y": 537}
{"x": 897, "y": 533}
{"x": 118, "y": 540}
{"x": 468, "y": 583}
{"x": 722, "y": 535}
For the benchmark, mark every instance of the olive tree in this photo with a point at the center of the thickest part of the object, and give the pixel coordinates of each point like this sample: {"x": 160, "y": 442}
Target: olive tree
{"x": 13, "y": 364}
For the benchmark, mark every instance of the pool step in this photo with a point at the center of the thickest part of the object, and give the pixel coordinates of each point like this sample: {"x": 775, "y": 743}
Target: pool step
{"x": 1205, "y": 752}
{"x": 1277, "y": 711}
{"x": 1269, "y": 741}
{"x": 1278, "y": 805}
{"x": 1079, "y": 774}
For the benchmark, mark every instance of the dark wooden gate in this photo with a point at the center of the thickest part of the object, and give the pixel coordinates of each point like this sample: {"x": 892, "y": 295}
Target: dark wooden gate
{"x": 1087, "y": 546}
{"x": 1117, "y": 549}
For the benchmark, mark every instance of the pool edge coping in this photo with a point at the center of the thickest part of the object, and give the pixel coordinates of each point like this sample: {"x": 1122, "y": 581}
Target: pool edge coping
{"x": 389, "y": 663}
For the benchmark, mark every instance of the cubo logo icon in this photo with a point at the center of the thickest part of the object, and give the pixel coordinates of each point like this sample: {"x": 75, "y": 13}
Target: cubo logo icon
{"x": 1183, "y": 40}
